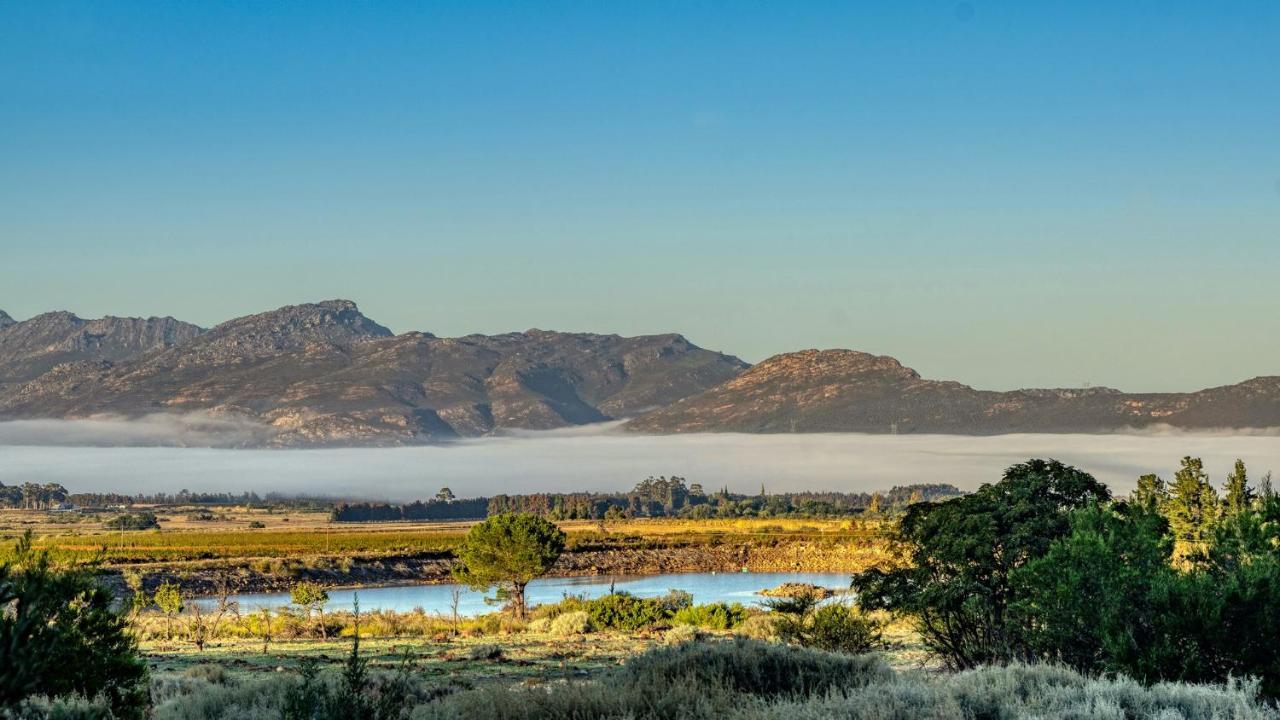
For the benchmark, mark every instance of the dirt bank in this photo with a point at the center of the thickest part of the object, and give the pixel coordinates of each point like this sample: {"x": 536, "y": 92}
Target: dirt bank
{"x": 819, "y": 555}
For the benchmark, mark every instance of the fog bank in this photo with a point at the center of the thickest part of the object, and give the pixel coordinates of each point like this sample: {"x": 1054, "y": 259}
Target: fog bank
{"x": 603, "y": 458}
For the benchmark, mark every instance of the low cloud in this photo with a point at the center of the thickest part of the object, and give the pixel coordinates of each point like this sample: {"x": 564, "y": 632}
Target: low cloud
{"x": 193, "y": 429}
{"x": 599, "y": 458}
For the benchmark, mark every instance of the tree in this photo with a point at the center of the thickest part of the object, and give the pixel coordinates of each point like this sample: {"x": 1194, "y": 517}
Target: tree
{"x": 508, "y": 551}
{"x": 957, "y": 558}
{"x": 311, "y": 598}
{"x": 1099, "y": 599}
{"x": 169, "y": 600}
{"x": 445, "y": 495}
{"x": 873, "y": 507}
{"x": 1192, "y": 509}
{"x": 1151, "y": 493}
{"x": 60, "y": 636}
{"x": 1239, "y": 496}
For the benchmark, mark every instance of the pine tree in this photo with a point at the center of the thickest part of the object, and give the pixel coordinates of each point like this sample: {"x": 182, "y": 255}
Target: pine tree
{"x": 1151, "y": 493}
{"x": 1192, "y": 509}
{"x": 1239, "y": 496}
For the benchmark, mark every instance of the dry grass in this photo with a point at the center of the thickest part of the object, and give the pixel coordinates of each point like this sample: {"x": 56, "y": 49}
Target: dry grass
{"x": 298, "y": 534}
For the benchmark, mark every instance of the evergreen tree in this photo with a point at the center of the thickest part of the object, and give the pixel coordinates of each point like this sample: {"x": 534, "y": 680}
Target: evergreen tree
{"x": 1151, "y": 493}
{"x": 1192, "y": 509}
{"x": 1239, "y": 496}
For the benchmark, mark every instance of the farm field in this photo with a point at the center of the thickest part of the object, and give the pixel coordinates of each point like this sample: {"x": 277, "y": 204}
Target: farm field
{"x": 298, "y": 534}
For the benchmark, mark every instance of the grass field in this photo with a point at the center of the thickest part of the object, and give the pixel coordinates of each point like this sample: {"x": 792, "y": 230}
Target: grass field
{"x": 299, "y": 534}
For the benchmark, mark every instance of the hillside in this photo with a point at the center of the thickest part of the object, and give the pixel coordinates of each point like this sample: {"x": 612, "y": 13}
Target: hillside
{"x": 324, "y": 373}
{"x": 849, "y": 391}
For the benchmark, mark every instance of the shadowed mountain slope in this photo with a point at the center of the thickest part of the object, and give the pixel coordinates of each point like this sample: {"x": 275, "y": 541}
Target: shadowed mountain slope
{"x": 849, "y": 391}
{"x": 324, "y": 373}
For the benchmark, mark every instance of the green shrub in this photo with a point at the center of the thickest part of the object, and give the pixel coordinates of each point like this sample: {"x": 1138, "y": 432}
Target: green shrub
{"x": 761, "y": 626}
{"x": 804, "y": 620}
{"x": 485, "y": 652}
{"x": 752, "y": 667}
{"x": 681, "y": 634}
{"x": 140, "y": 521}
{"x": 60, "y": 637}
{"x": 623, "y": 611}
{"x": 573, "y": 623}
{"x": 740, "y": 680}
{"x": 64, "y": 708}
{"x": 713, "y": 616}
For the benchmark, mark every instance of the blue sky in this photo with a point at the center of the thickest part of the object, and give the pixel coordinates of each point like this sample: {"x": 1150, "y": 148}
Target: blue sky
{"x": 1005, "y": 193}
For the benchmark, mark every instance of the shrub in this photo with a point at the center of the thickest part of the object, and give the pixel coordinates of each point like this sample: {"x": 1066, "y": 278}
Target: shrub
{"x": 752, "y": 667}
{"x": 63, "y": 708}
{"x": 713, "y": 616}
{"x": 681, "y": 634}
{"x": 836, "y": 627}
{"x": 538, "y": 625}
{"x": 623, "y": 611}
{"x": 208, "y": 672}
{"x": 484, "y": 652}
{"x": 140, "y": 521}
{"x": 574, "y": 623}
{"x": 761, "y": 626}
{"x": 60, "y": 637}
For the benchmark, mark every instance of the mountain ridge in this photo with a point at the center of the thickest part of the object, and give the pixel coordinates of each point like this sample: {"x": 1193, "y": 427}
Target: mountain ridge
{"x": 851, "y": 391}
{"x": 324, "y": 374}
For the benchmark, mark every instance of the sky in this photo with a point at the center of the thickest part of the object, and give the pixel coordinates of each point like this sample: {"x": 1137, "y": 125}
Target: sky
{"x": 1005, "y": 193}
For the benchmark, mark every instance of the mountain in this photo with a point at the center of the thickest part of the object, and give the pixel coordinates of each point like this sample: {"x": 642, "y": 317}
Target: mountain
{"x": 849, "y": 391}
{"x": 32, "y": 347}
{"x": 324, "y": 373}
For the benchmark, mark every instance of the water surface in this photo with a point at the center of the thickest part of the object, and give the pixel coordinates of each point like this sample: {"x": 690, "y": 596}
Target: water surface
{"x": 705, "y": 588}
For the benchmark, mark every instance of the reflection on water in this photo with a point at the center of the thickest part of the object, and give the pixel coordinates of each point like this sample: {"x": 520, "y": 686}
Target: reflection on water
{"x": 705, "y": 588}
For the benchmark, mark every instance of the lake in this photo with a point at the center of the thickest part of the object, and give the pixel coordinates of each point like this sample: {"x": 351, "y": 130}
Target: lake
{"x": 705, "y": 587}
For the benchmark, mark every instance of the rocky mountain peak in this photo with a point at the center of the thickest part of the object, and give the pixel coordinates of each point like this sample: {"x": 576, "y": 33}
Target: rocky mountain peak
{"x": 824, "y": 366}
{"x": 5, "y": 320}
{"x": 294, "y": 327}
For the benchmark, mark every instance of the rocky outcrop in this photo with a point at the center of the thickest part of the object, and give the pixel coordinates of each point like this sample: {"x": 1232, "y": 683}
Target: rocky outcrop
{"x": 849, "y": 391}
{"x": 30, "y": 348}
{"x": 324, "y": 374}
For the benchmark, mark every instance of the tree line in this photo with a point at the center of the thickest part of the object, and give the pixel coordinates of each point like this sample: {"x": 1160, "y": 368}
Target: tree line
{"x": 653, "y": 497}
{"x": 1174, "y": 582}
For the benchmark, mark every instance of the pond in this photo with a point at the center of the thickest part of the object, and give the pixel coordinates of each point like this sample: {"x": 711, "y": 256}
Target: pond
{"x": 727, "y": 587}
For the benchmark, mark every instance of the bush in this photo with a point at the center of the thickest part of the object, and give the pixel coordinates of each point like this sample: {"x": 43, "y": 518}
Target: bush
{"x": 65, "y": 708}
{"x": 745, "y": 680}
{"x": 623, "y": 611}
{"x": 60, "y": 637}
{"x": 836, "y": 627}
{"x": 713, "y": 616}
{"x": 681, "y": 634}
{"x": 761, "y": 626}
{"x": 573, "y": 623}
{"x": 484, "y": 652}
{"x": 752, "y": 667}
{"x": 140, "y": 521}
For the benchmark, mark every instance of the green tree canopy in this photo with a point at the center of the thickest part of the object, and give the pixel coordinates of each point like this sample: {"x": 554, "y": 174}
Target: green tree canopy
{"x": 958, "y": 555}
{"x": 1239, "y": 496}
{"x": 1192, "y": 509}
{"x": 508, "y": 551}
